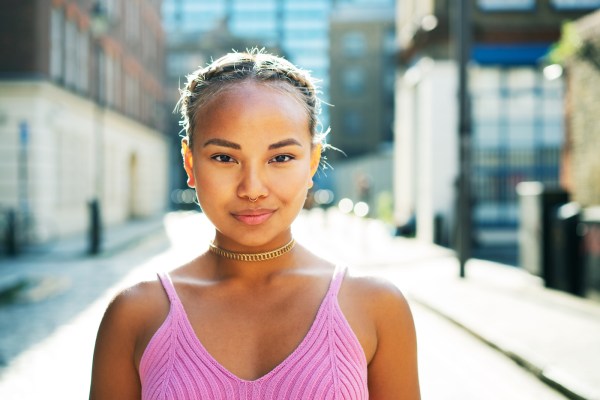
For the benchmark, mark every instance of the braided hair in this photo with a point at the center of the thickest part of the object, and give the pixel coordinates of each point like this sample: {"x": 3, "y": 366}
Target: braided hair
{"x": 253, "y": 65}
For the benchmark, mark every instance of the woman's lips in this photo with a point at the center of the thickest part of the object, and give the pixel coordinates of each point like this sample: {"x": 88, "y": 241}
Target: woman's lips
{"x": 253, "y": 217}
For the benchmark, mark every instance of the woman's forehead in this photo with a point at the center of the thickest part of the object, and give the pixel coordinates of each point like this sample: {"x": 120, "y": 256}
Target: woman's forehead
{"x": 253, "y": 111}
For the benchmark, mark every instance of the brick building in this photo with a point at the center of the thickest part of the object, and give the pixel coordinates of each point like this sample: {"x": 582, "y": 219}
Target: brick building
{"x": 81, "y": 120}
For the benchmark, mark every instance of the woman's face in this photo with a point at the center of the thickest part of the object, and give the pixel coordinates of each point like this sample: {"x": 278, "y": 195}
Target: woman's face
{"x": 251, "y": 141}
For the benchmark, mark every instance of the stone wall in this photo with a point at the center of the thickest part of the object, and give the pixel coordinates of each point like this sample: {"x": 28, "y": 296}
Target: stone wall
{"x": 583, "y": 125}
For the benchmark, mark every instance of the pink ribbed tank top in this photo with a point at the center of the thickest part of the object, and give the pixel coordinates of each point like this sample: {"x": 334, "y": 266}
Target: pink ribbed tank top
{"x": 329, "y": 363}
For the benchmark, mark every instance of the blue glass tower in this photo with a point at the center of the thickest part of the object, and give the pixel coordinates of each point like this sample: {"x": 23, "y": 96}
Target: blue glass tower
{"x": 300, "y": 28}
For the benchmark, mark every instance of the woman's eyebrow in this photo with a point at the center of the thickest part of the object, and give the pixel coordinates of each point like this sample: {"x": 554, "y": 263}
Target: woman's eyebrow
{"x": 222, "y": 142}
{"x": 284, "y": 143}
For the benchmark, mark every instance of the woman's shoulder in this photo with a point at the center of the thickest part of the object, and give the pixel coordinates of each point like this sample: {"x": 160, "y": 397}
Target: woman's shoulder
{"x": 149, "y": 295}
{"x": 375, "y": 288}
{"x": 133, "y": 305}
{"x": 378, "y": 297}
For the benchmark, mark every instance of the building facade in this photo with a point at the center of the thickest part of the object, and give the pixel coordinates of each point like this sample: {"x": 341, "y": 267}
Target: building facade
{"x": 81, "y": 113}
{"x": 516, "y": 113}
{"x": 362, "y": 78}
{"x": 362, "y": 48}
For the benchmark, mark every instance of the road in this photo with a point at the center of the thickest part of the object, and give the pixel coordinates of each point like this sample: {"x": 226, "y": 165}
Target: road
{"x": 47, "y": 340}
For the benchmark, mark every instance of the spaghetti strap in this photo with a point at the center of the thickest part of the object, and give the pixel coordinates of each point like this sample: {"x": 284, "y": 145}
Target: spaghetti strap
{"x": 167, "y": 284}
{"x": 338, "y": 277}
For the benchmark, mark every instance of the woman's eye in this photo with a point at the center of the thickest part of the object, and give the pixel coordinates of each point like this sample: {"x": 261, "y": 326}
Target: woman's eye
{"x": 224, "y": 158}
{"x": 281, "y": 158}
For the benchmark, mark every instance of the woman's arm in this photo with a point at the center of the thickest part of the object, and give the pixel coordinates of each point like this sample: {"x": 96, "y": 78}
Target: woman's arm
{"x": 114, "y": 374}
{"x": 393, "y": 372}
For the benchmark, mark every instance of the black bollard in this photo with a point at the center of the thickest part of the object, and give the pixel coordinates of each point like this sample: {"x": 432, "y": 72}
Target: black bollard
{"x": 95, "y": 227}
{"x": 12, "y": 248}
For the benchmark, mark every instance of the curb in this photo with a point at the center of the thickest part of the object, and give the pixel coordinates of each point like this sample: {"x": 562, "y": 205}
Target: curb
{"x": 524, "y": 363}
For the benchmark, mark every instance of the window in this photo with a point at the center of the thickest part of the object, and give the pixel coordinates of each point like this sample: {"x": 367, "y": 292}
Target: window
{"x": 132, "y": 18}
{"x": 56, "y": 44}
{"x": 110, "y": 81}
{"x": 354, "y": 123}
{"x": 101, "y": 76}
{"x": 70, "y": 54}
{"x": 132, "y": 96}
{"x": 83, "y": 61}
{"x": 354, "y": 44}
{"x": 353, "y": 80}
{"x": 506, "y": 5}
{"x": 110, "y": 7}
{"x": 518, "y": 131}
{"x": 575, "y": 4}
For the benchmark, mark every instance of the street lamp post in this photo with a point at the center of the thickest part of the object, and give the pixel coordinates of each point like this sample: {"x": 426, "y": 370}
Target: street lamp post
{"x": 99, "y": 27}
{"x": 464, "y": 223}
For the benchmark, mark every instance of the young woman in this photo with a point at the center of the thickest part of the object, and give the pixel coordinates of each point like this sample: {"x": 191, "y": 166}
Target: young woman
{"x": 257, "y": 316}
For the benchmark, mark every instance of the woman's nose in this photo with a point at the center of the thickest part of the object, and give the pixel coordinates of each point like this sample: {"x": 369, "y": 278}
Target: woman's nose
{"x": 252, "y": 183}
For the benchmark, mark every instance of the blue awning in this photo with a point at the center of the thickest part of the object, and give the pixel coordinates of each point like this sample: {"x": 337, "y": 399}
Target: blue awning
{"x": 510, "y": 54}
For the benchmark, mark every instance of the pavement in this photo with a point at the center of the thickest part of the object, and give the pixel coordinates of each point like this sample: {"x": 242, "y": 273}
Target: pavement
{"x": 552, "y": 334}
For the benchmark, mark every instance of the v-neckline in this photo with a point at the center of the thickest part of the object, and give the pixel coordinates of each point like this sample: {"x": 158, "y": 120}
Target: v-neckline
{"x": 191, "y": 333}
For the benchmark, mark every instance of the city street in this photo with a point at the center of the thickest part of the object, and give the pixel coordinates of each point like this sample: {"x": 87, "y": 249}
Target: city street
{"x": 47, "y": 335}
{"x": 463, "y": 124}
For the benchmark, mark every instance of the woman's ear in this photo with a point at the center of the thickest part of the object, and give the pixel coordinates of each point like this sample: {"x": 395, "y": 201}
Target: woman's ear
{"x": 188, "y": 162}
{"x": 315, "y": 160}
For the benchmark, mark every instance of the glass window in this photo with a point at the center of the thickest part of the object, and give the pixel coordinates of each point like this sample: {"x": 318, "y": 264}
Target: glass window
{"x": 245, "y": 5}
{"x": 484, "y": 79}
{"x": 521, "y": 78}
{"x": 354, "y": 123}
{"x": 132, "y": 21}
{"x": 56, "y": 43}
{"x": 354, "y": 44}
{"x": 518, "y": 130}
{"x": 486, "y": 135}
{"x": 506, "y": 5}
{"x": 353, "y": 80}
{"x": 110, "y": 6}
{"x": 486, "y": 107}
{"x": 575, "y": 4}
{"x": 300, "y": 5}
{"x": 132, "y": 95}
{"x": 522, "y": 105}
{"x": 553, "y": 133}
{"x": 83, "y": 61}
{"x": 520, "y": 134}
{"x": 70, "y": 54}
{"x": 110, "y": 81}
{"x": 116, "y": 83}
{"x": 318, "y": 24}
{"x": 101, "y": 76}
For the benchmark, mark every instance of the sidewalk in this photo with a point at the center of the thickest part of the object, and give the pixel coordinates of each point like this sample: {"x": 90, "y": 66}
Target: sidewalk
{"x": 114, "y": 239}
{"x": 554, "y": 335}
{"x": 16, "y": 270}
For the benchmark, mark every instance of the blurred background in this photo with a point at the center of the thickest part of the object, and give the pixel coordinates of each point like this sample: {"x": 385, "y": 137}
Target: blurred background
{"x": 90, "y": 140}
{"x": 466, "y": 126}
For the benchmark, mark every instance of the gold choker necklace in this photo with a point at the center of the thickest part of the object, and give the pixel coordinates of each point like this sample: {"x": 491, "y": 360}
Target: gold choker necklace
{"x": 268, "y": 255}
